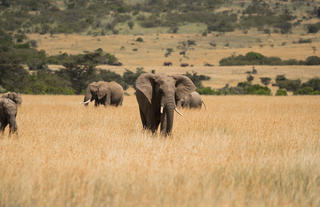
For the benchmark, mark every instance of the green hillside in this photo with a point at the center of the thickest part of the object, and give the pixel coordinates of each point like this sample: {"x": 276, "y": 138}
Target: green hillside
{"x": 100, "y": 17}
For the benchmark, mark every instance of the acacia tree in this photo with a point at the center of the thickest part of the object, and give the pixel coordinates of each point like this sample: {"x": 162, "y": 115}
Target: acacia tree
{"x": 79, "y": 74}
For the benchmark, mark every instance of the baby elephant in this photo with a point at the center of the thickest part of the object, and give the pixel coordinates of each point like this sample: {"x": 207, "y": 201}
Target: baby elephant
{"x": 191, "y": 100}
{"x": 8, "y": 111}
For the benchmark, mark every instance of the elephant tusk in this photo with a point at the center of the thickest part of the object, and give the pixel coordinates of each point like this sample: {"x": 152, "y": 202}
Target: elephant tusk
{"x": 161, "y": 109}
{"x": 85, "y": 102}
{"x": 178, "y": 111}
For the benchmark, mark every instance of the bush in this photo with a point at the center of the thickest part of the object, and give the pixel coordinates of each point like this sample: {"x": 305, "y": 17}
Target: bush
{"x": 306, "y": 91}
{"x": 313, "y": 60}
{"x": 197, "y": 79}
{"x": 107, "y": 75}
{"x": 303, "y": 41}
{"x": 313, "y": 28}
{"x": 207, "y": 91}
{"x": 280, "y": 78}
{"x": 281, "y": 92}
{"x": 313, "y": 83}
{"x": 139, "y": 39}
{"x": 253, "y": 58}
{"x": 265, "y": 80}
{"x": 97, "y": 57}
{"x": 258, "y": 90}
{"x": 289, "y": 85}
{"x": 130, "y": 77}
{"x": 250, "y": 78}
{"x": 244, "y": 88}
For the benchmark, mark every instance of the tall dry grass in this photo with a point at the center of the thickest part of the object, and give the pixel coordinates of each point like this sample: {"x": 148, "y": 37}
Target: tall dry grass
{"x": 241, "y": 151}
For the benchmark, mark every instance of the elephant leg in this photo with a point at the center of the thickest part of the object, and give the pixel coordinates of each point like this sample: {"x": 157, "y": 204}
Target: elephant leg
{"x": 155, "y": 126}
{"x": 2, "y": 127}
{"x": 103, "y": 101}
{"x": 120, "y": 102}
{"x": 96, "y": 102}
{"x": 108, "y": 101}
{"x": 13, "y": 125}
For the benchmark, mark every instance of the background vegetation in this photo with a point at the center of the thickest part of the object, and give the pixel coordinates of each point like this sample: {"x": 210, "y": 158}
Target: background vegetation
{"x": 254, "y": 58}
{"x": 100, "y": 17}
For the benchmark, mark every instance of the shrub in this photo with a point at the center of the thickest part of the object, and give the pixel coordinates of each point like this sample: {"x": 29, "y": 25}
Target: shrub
{"x": 303, "y": 41}
{"x": 313, "y": 28}
{"x": 245, "y": 88}
{"x": 168, "y": 52}
{"x": 281, "y": 92}
{"x": 130, "y": 24}
{"x": 258, "y": 90}
{"x": 289, "y": 85}
{"x": 313, "y": 60}
{"x": 96, "y": 57}
{"x": 280, "y": 78}
{"x": 313, "y": 83}
{"x": 304, "y": 91}
{"x": 250, "y": 78}
{"x": 139, "y": 39}
{"x": 265, "y": 80}
{"x": 130, "y": 77}
{"x": 196, "y": 79}
{"x": 253, "y": 58}
{"x": 207, "y": 91}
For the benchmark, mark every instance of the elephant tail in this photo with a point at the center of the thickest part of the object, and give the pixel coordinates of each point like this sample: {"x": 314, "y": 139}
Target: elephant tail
{"x": 205, "y": 107}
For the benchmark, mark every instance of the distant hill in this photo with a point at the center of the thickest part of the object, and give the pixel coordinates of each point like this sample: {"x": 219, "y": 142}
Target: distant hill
{"x": 100, "y": 17}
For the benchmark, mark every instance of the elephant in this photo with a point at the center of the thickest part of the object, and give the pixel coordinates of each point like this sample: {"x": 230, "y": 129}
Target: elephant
{"x": 157, "y": 95}
{"x": 105, "y": 93}
{"x": 8, "y": 111}
{"x": 192, "y": 100}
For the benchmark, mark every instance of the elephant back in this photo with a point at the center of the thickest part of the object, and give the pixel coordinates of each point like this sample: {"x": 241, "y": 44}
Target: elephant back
{"x": 117, "y": 92}
{"x": 8, "y": 106}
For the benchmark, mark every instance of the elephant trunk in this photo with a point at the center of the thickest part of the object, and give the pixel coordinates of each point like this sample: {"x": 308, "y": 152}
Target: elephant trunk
{"x": 167, "y": 116}
{"x": 87, "y": 97}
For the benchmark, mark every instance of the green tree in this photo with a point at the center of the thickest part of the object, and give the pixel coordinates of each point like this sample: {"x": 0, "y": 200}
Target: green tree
{"x": 79, "y": 75}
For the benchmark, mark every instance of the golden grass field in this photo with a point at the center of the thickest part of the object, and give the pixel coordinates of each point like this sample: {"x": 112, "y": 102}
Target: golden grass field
{"x": 241, "y": 151}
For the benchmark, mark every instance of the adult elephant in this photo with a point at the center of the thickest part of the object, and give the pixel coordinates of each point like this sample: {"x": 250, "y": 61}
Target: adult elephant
{"x": 157, "y": 95}
{"x": 8, "y": 111}
{"x": 105, "y": 93}
{"x": 192, "y": 100}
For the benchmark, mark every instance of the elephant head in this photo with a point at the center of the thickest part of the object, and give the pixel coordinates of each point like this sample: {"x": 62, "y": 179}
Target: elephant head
{"x": 95, "y": 91}
{"x": 15, "y": 97}
{"x": 162, "y": 93}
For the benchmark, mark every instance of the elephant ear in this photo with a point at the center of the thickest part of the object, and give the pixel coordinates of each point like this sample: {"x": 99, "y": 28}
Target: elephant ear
{"x": 144, "y": 84}
{"x": 184, "y": 86}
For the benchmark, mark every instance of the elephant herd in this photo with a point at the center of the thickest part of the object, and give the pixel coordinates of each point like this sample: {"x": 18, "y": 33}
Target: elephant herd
{"x": 158, "y": 96}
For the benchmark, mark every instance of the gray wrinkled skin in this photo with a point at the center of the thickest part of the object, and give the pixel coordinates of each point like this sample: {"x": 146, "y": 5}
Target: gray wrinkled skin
{"x": 192, "y": 100}
{"x": 104, "y": 93}
{"x": 156, "y": 91}
{"x": 8, "y": 111}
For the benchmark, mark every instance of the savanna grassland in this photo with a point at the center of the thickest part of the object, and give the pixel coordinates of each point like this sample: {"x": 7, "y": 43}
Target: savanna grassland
{"x": 150, "y": 54}
{"x": 240, "y": 151}
{"x": 207, "y": 49}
